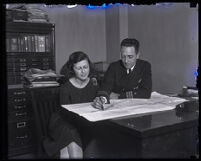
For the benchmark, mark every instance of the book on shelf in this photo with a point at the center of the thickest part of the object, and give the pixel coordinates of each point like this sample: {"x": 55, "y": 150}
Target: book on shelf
{"x": 36, "y": 43}
{"x": 41, "y": 43}
{"x": 25, "y": 43}
{"x": 19, "y": 44}
{"x": 13, "y": 44}
{"x": 22, "y": 44}
{"x": 33, "y": 43}
{"x": 7, "y": 44}
{"x": 29, "y": 43}
{"x": 47, "y": 43}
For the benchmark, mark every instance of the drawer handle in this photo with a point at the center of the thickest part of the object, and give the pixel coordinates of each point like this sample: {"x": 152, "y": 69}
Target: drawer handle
{"x": 22, "y": 60}
{"x": 21, "y": 137}
{"x": 20, "y": 100}
{"x": 19, "y": 93}
{"x": 19, "y": 107}
{"x": 21, "y": 124}
{"x": 20, "y": 114}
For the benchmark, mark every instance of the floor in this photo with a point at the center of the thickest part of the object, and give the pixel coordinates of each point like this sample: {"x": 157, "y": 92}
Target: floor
{"x": 25, "y": 156}
{"x": 33, "y": 156}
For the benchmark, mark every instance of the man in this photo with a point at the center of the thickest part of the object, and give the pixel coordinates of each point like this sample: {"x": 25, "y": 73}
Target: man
{"x": 129, "y": 77}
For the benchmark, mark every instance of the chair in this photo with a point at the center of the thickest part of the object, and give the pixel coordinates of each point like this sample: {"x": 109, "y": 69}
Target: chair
{"x": 45, "y": 101}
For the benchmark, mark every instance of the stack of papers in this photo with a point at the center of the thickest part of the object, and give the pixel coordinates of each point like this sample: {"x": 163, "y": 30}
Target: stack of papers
{"x": 35, "y": 77}
{"x": 35, "y": 12}
{"x": 125, "y": 107}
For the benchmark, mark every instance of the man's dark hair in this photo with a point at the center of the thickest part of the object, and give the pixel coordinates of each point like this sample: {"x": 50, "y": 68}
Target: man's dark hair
{"x": 129, "y": 42}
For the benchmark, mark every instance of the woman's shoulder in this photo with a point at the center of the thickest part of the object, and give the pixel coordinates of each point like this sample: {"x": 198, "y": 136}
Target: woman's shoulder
{"x": 93, "y": 83}
{"x": 67, "y": 84}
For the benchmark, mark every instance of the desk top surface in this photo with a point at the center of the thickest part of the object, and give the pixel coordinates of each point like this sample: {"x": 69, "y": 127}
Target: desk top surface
{"x": 184, "y": 115}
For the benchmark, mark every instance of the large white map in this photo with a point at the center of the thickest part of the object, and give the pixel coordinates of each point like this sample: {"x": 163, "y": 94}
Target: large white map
{"x": 125, "y": 107}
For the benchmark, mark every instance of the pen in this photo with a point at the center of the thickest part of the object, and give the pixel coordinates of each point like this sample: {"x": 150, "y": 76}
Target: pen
{"x": 102, "y": 107}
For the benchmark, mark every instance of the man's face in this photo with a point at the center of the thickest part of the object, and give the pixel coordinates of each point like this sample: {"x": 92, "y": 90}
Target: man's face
{"x": 128, "y": 56}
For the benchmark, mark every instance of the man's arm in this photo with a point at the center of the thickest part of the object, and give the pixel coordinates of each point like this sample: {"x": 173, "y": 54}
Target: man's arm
{"x": 145, "y": 86}
{"x": 104, "y": 91}
{"x": 107, "y": 84}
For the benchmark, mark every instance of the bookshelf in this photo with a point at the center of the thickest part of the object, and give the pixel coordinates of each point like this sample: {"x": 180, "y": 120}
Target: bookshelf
{"x": 28, "y": 45}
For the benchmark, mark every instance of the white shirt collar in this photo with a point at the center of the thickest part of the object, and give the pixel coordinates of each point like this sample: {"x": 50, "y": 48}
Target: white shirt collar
{"x": 131, "y": 69}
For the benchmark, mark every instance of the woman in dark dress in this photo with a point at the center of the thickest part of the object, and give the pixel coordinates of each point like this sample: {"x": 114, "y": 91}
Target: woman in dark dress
{"x": 80, "y": 87}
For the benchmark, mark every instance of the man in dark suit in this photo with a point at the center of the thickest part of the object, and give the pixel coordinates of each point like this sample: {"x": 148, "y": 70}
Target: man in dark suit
{"x": 129, "y": 77}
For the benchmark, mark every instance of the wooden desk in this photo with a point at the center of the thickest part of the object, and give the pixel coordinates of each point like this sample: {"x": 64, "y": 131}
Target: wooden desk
{"x": 169, "y": 134}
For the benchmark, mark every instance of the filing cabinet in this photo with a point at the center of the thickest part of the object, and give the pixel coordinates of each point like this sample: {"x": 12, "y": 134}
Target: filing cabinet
{"x": 28, "y": 45}
{"x": 20, "y": 122}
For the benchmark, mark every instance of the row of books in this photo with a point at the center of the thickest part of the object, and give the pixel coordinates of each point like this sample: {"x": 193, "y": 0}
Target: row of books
{"x": 27, "y": 43}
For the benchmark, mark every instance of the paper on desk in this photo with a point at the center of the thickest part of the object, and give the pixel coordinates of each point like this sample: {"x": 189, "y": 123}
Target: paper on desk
{"x": 125, "y": 107}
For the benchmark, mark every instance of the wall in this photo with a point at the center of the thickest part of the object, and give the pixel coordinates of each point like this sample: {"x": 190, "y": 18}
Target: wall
{"x": 123, "y": 21}
{"x": 112, "y": 33}
{"x": 168, "y": 37}
{"x": 116, "y": 30}
{"x": 169, "y": 40}
{"x": 78, "y": 29}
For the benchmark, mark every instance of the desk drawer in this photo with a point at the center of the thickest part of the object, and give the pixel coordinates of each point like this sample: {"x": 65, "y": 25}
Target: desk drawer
{"x": 20, "y": 106}
{"x": 14, "y": 107}
{"x": 20, "y": 102}
{"x": 20, "y": 133}
{"x": 18, "y": 92}
{"x": 20, "y": 115}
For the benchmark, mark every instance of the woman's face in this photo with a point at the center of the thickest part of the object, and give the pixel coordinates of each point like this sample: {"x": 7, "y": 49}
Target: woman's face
{"x": 81, "y": 69}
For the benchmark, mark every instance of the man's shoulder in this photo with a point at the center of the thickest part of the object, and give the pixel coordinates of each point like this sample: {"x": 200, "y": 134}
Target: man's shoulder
{"x": 115, "y": 66}
{"x": 116, "y": 63}
{"x": 143, "y": 62}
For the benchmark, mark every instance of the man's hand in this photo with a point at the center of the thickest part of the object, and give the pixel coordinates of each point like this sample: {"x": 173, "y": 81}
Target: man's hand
{"x": 98, "y": 102}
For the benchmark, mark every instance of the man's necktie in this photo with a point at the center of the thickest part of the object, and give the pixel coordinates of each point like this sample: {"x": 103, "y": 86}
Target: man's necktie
{"x": 129, "y": 71}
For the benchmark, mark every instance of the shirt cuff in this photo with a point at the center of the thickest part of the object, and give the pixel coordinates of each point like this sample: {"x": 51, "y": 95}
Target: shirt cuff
{"x": 105, "y": 99}
{"x": 104, "y": 94}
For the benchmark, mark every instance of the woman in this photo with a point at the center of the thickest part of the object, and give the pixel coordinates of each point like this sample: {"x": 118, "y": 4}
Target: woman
{"x": 80, "y": 80}
{"x": 80, "y": 87}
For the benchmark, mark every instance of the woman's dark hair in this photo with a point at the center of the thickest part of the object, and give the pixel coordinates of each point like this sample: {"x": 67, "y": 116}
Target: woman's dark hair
{"x": 75, "y": 57}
